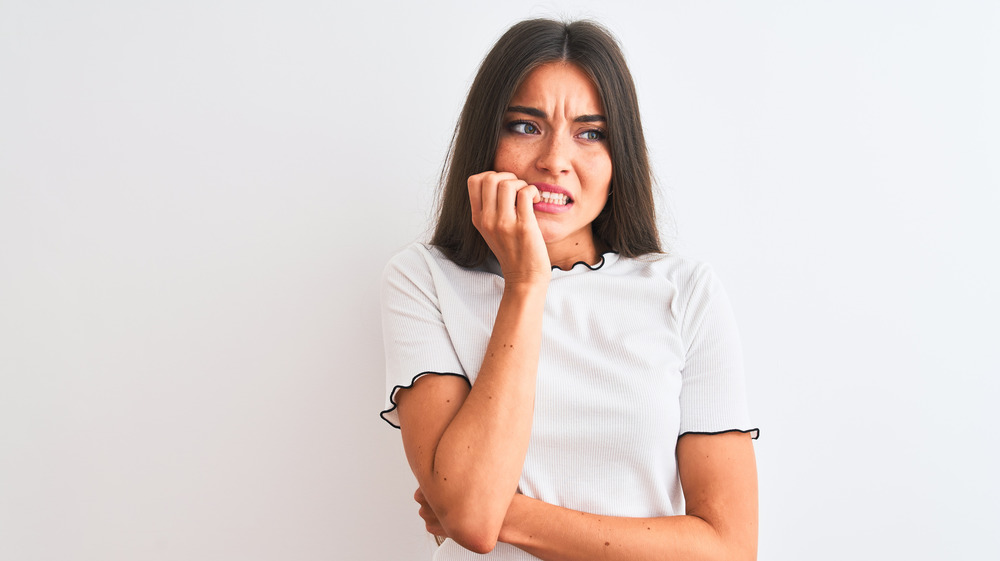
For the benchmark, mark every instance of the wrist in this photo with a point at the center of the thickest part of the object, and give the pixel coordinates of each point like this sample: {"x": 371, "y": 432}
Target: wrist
{"x": 527, "y": 286}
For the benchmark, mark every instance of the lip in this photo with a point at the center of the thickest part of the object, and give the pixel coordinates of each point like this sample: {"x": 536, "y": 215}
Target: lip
{"x": 554, "y": 189}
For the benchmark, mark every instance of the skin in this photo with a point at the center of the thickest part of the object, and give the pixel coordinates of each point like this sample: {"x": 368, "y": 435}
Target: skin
{"x": 466, "y": 445}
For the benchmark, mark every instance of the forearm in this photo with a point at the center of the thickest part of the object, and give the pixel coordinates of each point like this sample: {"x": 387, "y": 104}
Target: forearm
{"x": 478, "y": 461}
{"x": 554, "y": 533}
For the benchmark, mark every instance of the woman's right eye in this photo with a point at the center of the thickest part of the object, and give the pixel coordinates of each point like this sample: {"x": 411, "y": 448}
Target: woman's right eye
{"x": 522, "y": 127}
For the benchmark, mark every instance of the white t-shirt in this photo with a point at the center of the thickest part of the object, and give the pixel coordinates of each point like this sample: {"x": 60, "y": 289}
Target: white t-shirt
{"x": 635, "y": 352}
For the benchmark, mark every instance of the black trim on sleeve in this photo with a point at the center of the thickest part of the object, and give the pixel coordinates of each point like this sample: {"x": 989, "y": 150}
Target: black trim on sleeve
{"x": 754, "y": 433}
{"x": 392, "y": 394}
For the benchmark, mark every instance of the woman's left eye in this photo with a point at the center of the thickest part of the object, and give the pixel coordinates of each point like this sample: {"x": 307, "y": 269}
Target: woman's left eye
{"x": 592, "y": 134}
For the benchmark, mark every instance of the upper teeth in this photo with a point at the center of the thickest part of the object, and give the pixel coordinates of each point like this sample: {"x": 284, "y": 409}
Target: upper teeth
{"x": 554, "y": 198}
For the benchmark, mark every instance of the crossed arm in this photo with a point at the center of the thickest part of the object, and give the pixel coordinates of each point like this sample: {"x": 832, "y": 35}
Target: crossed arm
{"x": 718, "y": 476}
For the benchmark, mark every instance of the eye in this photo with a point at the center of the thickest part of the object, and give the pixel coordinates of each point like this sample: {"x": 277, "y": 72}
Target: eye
{"x": 523, "y": 127}
{"x": 593, "y": 135}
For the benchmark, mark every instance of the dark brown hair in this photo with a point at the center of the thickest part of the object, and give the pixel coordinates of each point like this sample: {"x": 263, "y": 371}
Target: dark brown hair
{"x": 627, "y": 224}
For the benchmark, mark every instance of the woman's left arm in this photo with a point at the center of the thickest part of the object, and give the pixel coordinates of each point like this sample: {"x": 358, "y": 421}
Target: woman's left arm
{"x": 719, "y": 478}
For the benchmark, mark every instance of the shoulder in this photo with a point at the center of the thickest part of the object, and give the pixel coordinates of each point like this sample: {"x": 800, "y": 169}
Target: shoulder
{"x": 414, "y": 257}
{"x": 427, "y": 268}
{"x": 415, "y": 261}
{"x": 684, "y": 273}
{"x": 410, "y": 271}
{"x": 690, "y": 284}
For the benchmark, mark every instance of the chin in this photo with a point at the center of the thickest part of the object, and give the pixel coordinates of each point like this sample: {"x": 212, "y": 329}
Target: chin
{"x": 551, "y": 233}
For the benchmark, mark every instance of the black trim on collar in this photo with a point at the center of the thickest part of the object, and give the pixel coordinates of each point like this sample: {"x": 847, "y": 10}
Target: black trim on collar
{"x": 754, "y": 433}
{"x": 392, "y": 394}
{"x": 585, "y": 264}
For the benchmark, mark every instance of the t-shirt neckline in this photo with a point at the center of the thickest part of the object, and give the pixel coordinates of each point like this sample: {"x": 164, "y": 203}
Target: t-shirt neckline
{"x": 608, "y": 258}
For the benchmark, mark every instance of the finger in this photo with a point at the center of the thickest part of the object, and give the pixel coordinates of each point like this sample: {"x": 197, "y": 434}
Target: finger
{"x": 526, "y": 197}
{"x": 476, "y": 196}
{"x": 507, "y": 199}
{"x": 491, "y": 182}
{"x": 488, "y": 192}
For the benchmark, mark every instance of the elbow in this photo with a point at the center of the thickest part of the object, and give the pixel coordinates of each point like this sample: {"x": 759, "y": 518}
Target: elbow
{"x": 477, "y": 541}
{"x": 471, "y": 519}
{"x": 729, "y": 543}
{"x": 475, "y": 533}
{"x": 744, "y": 550}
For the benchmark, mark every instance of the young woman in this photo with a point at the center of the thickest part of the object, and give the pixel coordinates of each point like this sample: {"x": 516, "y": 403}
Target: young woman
{"x": 564, "y": 389}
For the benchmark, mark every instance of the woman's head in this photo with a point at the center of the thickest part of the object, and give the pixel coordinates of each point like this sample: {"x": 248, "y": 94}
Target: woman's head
{"x": 627, "y": 223}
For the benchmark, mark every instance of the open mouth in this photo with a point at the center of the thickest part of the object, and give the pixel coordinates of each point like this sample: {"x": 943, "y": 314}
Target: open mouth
{"x": 553, "y": 197}
{"x": 559, "y": 199}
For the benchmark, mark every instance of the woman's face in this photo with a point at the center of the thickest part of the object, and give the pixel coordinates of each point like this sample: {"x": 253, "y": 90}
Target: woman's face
{"x": 554, "y": 138}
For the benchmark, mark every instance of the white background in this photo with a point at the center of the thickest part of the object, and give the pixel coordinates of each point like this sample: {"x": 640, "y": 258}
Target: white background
{"x": 197, "y": 199}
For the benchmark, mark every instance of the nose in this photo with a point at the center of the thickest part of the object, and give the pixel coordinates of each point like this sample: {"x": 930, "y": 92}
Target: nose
{"x": 555, "y": 155}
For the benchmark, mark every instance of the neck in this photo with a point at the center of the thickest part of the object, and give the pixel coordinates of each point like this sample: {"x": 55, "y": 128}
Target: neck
{"x": 566, "y": 253}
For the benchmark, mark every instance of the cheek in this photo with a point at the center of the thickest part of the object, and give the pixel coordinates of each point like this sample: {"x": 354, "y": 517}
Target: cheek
{"x": 507, "y": 158}
{"x": 598, "y": 171}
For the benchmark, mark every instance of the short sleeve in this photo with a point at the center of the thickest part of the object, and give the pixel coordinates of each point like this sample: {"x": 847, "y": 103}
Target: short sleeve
{"x": 414, "y": 334}
{"x": 713, "y": 391}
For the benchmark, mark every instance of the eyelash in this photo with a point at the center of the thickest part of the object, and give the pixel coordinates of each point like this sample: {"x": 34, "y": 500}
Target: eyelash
{"x": 514, "y": 127}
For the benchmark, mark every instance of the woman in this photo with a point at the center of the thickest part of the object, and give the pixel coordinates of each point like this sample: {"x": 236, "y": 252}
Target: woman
{"x": 565, "y": 391}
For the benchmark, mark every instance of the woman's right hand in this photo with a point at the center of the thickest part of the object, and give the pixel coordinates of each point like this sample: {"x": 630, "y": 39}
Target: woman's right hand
{"x": 503, "y": 212}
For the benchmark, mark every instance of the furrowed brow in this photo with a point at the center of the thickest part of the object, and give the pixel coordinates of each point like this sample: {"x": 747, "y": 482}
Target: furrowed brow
{"x": 591, "y": 119}
{"x": 538, "y": 113}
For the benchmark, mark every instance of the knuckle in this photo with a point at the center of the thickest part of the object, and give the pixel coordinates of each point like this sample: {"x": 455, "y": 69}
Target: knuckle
{"x": 506, "y": 225}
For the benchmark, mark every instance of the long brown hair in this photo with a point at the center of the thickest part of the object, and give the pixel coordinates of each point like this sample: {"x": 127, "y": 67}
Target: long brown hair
{"x": 627, "y": 224}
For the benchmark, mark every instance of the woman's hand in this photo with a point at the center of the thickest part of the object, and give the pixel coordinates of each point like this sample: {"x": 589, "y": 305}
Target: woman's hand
{"x": 503, "y": 212}
{"x": 431, "y": 521}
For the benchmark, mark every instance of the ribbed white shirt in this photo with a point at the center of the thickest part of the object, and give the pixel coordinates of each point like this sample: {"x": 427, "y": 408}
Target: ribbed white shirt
{"x": 635, "y": 353}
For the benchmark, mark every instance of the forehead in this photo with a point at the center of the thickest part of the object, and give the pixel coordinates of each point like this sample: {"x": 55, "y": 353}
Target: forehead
{"x": 559, "y": 85}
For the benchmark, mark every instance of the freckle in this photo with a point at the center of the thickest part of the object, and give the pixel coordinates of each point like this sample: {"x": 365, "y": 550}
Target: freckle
{"x": 448, "y": 400}
{"x": 607, "y": 543}
{"x": 648, "y": 528}
{"x": 491, "y": 354}
{"x": 446, "y": 479}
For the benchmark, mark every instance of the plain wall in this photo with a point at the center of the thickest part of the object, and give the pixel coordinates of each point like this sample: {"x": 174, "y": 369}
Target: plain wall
{"x": 197, "y": 199}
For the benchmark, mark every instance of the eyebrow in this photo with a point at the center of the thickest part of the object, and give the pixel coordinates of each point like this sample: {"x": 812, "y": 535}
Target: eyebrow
{"x": 538, "y": 113}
